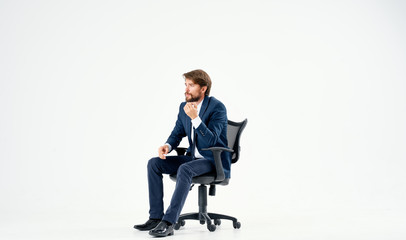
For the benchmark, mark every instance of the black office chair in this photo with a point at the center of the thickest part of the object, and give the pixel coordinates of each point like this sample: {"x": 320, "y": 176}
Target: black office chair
{"x": 234, "y": 131}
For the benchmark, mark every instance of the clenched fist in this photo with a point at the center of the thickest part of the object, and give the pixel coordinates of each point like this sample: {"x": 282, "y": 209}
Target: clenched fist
{"x": 162, "y": 151}
{"x": 191, "y": 109}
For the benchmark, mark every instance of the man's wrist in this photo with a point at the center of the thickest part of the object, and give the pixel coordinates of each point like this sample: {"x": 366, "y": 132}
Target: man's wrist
{"x": 196, "y": 122}
{"x": 169, "y": 146}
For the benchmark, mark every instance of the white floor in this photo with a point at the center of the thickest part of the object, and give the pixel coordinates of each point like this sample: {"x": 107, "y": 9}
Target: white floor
{"x": 298, "y": 225}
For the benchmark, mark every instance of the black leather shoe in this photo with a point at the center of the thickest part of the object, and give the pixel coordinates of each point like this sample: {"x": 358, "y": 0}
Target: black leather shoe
{"x": 162, "y": 230}
{"x": 150, "y": 224}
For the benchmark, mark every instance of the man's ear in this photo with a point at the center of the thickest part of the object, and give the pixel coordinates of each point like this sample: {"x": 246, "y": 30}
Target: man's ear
{"x": 204, "y": 88}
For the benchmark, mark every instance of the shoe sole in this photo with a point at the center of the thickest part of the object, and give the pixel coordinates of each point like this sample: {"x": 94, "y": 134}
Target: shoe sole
{"x": 145, "y": 229}
{"x": 160, "y": 235}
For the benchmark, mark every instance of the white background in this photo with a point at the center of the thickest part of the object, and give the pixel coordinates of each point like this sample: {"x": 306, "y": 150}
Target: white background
{"x": 90, "y": 89}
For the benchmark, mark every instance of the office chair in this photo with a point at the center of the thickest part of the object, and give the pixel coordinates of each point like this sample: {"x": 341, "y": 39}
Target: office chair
{"x": 234, "y": 131}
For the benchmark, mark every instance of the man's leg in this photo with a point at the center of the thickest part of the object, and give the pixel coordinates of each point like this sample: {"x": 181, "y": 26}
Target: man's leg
{"x": 185, "y": 174}
{"x": 157, "y": 167}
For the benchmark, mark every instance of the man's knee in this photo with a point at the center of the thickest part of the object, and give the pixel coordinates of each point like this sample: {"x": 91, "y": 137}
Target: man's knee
{"x": 152, "y": 163}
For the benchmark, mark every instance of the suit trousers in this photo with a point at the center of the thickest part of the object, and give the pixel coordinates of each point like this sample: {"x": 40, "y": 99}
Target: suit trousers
{"x": 186, "y": 168}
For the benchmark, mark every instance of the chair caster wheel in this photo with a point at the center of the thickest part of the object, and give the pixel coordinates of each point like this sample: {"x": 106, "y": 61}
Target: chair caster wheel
{"x": 179, "y": 224}
{"x": 236, "y": 225}
{"x": 202, "y": 222}
{"x": 211, "y": 227}
{"x": 217, "y": 222}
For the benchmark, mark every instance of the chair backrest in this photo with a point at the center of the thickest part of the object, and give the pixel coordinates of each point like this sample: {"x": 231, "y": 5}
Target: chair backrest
{"x": 234, "y": 130}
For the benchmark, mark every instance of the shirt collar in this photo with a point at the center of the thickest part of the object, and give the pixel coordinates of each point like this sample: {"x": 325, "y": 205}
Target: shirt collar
{"x": 199, "y": 106}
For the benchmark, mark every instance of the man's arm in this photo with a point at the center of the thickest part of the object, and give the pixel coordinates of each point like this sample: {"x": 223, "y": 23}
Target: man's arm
{"x": 210, "y": 134}
{"x": 178, "y": 132}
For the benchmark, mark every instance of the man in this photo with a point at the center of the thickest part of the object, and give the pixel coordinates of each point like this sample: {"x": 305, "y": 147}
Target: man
{"x": 203, "y": 120}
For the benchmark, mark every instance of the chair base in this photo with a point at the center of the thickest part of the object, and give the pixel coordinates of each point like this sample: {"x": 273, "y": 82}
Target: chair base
{"x": 211, "y": 219}
{"x": 208, "y": 218}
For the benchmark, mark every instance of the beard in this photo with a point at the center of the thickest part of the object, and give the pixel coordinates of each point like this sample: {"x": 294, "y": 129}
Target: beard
{"x": 192, "y": 98}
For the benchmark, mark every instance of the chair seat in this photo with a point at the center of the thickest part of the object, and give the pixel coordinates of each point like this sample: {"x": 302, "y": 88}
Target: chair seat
{"x": 206, "y": 179}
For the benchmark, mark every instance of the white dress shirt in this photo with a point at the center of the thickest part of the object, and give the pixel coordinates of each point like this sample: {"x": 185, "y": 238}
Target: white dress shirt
{"x": 195, "y": 123}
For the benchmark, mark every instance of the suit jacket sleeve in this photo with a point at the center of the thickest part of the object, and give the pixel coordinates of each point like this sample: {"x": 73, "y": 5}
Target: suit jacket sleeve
{"x": 209, "y": 135}
{"x": 178, "y": 131}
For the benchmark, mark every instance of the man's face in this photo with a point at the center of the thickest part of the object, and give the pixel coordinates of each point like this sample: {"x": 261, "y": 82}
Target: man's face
{"x": 193, "y": 91}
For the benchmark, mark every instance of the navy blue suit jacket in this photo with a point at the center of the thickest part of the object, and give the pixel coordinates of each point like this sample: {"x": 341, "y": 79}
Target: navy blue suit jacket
{"x": 212, "y": 132}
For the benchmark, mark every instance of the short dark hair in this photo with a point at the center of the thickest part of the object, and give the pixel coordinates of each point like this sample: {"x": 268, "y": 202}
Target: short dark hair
{"x": 199, "y": 77}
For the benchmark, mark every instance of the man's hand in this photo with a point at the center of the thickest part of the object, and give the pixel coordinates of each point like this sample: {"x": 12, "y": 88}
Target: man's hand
{"x": 162, "y": 151}
{"x": 191, "y": 110}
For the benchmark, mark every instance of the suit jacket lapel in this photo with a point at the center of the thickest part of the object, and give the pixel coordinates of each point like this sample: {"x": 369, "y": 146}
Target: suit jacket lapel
{"x": 188, "y": 129}
{"x": 204, "y": 106}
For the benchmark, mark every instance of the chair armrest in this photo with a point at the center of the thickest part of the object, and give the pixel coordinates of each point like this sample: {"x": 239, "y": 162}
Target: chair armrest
{"x": 180, "y": 151}
{"x": 220, "y": 176}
